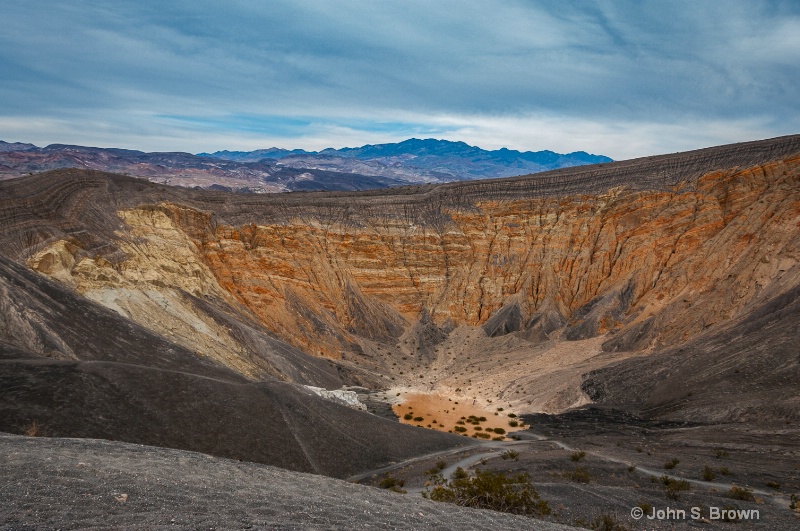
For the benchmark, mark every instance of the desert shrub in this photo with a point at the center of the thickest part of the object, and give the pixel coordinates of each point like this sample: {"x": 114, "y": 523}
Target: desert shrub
{"x": 512, "y": 415}
{"x": 725, "y": 471}
{"x": 669, "y": 465}
{"x": 741, "y": 493}
{"x": 408, "y": 416}
{"x": 433, "y": 472}
{"x": 459, "y": 473}
{"x": 459, "y": 429}
{"x": 460, "y": 422}
{"x": 719, "y": 453}
{"x": 419, "y": 419}
{"x": 492, "y": 490}
{"x": 510, "y": 454}
{"x": 577, "y": 456}
{"x": 392, "y": 483}
{"x": 579, "y": 475}
{"x": 482, "y": 435}
{"x": 513, "y": 423}
{"x": 606, "y": 522}
{"x": 674, "y": 487}
{"x": 793, "y": 503}
{"x": 646, "y": 507}
{"x": 499, "y": 431}
{"x": 499, "y": 438}
{"x": 773, "y": 485}
{"x": 441, "y": 464}
{"x": 708, "y": 473}
{"x": 33, "y": 430}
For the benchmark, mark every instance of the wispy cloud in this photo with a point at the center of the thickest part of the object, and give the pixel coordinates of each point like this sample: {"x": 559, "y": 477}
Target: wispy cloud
{"x": 622, "y": 79}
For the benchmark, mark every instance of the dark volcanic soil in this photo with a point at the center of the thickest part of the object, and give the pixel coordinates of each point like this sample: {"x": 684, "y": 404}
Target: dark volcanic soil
{"x": 624, "y": 461}
{"x": 92, "y": 484}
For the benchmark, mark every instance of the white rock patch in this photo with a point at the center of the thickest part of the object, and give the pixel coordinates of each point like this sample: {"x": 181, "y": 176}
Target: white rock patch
{"x": 348, "y": 398}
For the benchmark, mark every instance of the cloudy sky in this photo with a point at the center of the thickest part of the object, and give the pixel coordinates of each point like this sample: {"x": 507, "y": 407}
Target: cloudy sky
{"x": 622, "y": 79}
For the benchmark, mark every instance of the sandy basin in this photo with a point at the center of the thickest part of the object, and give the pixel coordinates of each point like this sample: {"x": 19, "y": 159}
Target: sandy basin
{"x": 440, "y": 412}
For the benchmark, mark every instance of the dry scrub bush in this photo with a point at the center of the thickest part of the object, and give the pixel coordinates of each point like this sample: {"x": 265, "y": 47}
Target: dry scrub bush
{"x": 33, "y": 429}
{"x": 392, "y": 483}
{"x": 492, "y": 490}
{"x": 674, "y": 487}
{"x": 579, "y": 475}
{"x": 741, "y": 493}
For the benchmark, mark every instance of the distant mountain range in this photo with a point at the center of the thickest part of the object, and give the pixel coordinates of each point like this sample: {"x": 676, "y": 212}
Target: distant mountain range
{"x": 279, "y": 170}
{"x": 435, "y": 159}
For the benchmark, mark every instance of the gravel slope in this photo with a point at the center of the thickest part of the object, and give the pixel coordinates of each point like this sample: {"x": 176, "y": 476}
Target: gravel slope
{"x": 94, "y": 484}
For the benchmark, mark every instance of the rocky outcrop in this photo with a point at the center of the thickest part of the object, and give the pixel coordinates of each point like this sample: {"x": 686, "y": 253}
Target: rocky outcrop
{"x": 340, "y": 396}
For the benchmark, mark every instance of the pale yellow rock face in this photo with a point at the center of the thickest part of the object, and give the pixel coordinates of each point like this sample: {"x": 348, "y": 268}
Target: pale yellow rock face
{"x": 148, "y": 286}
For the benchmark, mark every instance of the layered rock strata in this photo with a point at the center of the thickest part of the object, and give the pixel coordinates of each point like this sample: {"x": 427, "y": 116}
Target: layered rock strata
{"x": 653, "y": 267}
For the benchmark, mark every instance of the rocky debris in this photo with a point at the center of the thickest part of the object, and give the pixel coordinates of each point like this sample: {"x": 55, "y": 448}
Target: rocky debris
{"x": 377, "y": 402}
{"x": 746, "y": 370}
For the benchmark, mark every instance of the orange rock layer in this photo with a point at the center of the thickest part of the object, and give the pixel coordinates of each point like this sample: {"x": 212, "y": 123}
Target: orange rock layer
{"x": 661, "y": 265}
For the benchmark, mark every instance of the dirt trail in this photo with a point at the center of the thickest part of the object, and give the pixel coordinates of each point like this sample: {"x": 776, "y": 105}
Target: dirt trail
{"x": 530, "y": 439}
